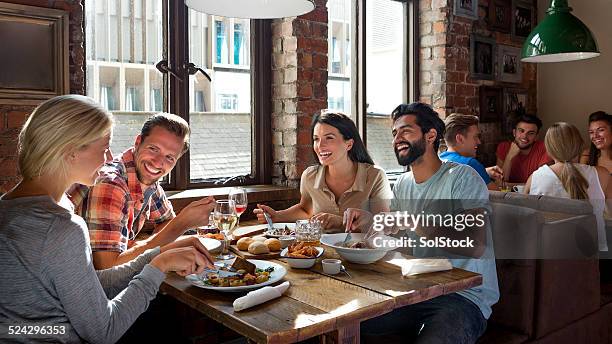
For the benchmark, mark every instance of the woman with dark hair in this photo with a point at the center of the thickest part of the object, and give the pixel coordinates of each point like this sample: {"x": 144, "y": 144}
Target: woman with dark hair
{"x": 600, "y": 133}
{"x": 345, "y": 177}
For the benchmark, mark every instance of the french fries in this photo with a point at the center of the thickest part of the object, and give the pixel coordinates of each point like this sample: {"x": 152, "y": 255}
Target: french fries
{"x": 299, "y": 250}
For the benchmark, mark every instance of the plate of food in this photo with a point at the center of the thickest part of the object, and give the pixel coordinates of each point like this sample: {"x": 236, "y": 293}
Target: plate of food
{"x": 281, "y": 229}
{"x": 250, "y": 274}
{"x": 358, "y": 250}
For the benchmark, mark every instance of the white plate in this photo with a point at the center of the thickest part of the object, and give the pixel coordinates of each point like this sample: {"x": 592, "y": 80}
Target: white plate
{"x": 280, "y": 225}
{"x": 276, "y": 275}
{"x": 212, "y": 245}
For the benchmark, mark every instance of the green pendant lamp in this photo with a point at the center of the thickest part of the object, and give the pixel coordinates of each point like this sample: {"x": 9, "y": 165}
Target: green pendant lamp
{"x": 559, "y": 37}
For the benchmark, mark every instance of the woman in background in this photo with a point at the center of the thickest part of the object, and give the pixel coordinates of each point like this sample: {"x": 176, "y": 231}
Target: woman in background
{"x": 600, "y": 133}
{"x": 568, "y": 179}
{"x": 46, "y": 270}
{"x": 345, "y": 177}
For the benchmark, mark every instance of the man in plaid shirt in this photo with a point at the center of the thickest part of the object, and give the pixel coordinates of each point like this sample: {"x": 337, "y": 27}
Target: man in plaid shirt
{"x": 128, "y": 193}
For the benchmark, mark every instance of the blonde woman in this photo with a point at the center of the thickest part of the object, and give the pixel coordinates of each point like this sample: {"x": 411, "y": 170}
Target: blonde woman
{"x": 46, "y": 271}
{"x": 568, "y": 179}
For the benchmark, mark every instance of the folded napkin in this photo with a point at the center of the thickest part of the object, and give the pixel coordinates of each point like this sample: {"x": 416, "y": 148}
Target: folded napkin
{"x": 259, "y": 296}
{"x": 422, "y": 265}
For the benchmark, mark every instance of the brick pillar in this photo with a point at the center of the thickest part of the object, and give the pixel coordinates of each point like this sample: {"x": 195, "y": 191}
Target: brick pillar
{"x": 299, "y": 90}
{"x": 12, "y": 117}
{"x": 434, "y": 33}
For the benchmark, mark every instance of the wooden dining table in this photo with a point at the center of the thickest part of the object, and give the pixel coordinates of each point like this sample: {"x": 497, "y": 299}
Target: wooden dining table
{"x": 317, "y": 304}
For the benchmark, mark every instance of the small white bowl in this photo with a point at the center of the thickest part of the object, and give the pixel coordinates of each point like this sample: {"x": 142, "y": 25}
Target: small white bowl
{"x": 301, "y": 263}
{"x": 286, "y": 240}
{"x": 331, "y": 266}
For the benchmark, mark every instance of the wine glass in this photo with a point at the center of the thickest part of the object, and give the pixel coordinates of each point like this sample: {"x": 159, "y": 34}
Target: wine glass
{"x": 239, "y": 196}
{"x": 225, "y": 218}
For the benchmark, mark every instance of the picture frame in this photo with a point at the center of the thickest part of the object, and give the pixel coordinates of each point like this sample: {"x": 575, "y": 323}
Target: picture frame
{"x": 515, "y": 102}
{"x": 500, "y": 15}
{"x": 466, "y": 8}
{"x": 482, "y": 57}
{"x": 509, "y": 65}
{"x": 37, "y": 67}
{"x": 491, "y": 103}
{"x": 523, "y": 19}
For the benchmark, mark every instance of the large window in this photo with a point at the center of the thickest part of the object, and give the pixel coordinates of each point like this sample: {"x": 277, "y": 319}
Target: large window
{"x": 125, "y": 41}
{"x": 379, "y": 53}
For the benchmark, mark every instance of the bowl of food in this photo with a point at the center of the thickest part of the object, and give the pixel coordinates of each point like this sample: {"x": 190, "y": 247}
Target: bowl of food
{"x": 357, "y": 249}
{"x": 300, "y": 256}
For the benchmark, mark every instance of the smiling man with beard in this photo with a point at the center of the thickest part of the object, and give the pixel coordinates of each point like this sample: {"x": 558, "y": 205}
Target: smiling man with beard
{"x": 521, "y": 157}
{"x": 439, "y": 188}
{"x": 127, "y": 193}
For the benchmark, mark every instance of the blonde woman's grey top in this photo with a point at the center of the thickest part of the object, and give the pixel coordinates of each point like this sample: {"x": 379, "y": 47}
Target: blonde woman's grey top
{"x": 47, "y": 276}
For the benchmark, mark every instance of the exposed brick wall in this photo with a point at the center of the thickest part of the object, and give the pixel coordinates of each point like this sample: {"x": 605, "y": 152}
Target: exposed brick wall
{"x": 12, "y": 117}
{"x": 299, "y": 90}
{"x": 445, "y": 67}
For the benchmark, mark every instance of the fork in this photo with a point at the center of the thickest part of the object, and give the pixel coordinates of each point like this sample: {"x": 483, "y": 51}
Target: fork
{"x": 346, "y": 229}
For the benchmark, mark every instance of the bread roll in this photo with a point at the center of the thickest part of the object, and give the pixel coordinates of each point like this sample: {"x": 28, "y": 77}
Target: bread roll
{"x": 243, "y": 243}
{"x": 258, "y": 247}
{"x": 259, "y": 238}
{"x": 273, "y": 244}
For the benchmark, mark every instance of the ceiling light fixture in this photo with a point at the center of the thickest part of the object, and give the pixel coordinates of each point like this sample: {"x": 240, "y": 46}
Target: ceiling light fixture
{"x": 252, "y": 9}
{"x": 559, "y": 37}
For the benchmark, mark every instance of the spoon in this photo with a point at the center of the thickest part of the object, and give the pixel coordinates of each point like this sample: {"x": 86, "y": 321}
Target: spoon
{"x": 343, "y": 269}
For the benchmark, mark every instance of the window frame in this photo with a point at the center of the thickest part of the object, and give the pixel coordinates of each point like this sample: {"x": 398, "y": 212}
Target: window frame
{"x": 359, "y": 62}
{"x": 178, "y": 97}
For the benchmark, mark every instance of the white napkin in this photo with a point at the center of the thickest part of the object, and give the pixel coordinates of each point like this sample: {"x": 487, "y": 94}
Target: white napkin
{"x": 422, "y": 265}
{"x": 259, "y": 296}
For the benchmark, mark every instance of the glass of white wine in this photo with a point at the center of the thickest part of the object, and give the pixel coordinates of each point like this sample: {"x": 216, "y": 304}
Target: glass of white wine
{"x": 225, "y": 218}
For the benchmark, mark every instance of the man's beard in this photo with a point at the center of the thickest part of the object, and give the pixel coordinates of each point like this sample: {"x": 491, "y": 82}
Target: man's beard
{"x": 415, "y": 151}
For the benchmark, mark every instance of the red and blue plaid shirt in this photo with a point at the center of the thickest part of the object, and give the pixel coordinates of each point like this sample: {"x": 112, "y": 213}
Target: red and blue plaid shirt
{"x": 110, "y": 206}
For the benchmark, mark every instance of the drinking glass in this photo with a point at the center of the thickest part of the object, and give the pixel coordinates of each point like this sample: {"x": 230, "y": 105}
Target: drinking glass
{"x": 308, "y": 232}
{"x": 225, "y": 218}
{"x": 239, "y": 196}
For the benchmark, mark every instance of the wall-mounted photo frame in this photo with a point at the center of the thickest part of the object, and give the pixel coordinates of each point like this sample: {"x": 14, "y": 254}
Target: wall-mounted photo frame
{"x": 515, "y": 102}
{"x": 500, "y": 15}
{"x": 35, "y": 63}
{"x": 523, "y": 18}
{"x": 491, "y": 103}
{"x": 482, "y": 57}
{"x": 466, "y": 8}
{"x": 509, "y": 65}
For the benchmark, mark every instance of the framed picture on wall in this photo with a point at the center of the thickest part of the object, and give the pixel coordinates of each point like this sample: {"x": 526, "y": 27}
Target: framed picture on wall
{"x": 482, "y": 57}
{"x": 523, "y": 18}
{"x": 515, "y": 103}
{"x": 466, "y": 8}
{"x": 491, "y": 103}
{"x": 36, "y": 67}
{"x": 509, "y": 66}
{"x": 500, "y": 15}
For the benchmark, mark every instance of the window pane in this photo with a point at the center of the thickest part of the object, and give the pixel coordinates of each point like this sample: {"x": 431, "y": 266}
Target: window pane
{"x": 385, "y": 56}
{"x": 131, "y": 91}
{"x": 339, "y": 47}
{"x": 220, "y": 111}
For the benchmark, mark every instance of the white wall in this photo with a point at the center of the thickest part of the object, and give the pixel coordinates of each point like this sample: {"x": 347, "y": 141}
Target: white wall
{"x": 570, "y": 91}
